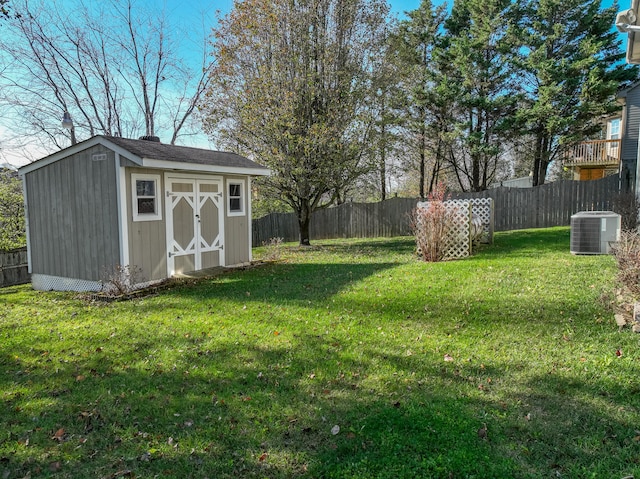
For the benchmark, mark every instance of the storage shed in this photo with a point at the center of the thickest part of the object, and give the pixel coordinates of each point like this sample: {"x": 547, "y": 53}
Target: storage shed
{"x": 160, "y": 209}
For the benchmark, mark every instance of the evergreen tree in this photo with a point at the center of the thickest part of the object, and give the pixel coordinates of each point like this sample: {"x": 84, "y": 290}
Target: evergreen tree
{"x": 422, "y": 107}
{"x": 480, "y": 52}
{"x": 572, "y": 60}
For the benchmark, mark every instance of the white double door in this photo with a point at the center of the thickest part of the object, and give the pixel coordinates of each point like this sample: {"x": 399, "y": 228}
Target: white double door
{"x": 195, "y": 227}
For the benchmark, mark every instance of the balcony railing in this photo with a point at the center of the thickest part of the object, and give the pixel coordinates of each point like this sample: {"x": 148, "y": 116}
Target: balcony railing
{"x": 593, "y": 153}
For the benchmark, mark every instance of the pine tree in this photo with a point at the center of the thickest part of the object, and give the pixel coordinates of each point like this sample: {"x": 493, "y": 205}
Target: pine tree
{"x": 572, "y": 61}
{"x": 422, "y": 105}
{"x": 480, "y": 54}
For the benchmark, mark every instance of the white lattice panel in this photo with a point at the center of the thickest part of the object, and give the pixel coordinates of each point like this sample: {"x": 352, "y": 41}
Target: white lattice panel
{"x": 483, "y": 209}
{"x": 458, "y": 243}
{"x": 45, "y": 282}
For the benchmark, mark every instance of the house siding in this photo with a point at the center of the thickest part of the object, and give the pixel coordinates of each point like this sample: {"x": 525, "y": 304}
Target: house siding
{"x": 631, "y": 127}
{"x": 147, "y": 239}
{"x": 73, "y": 218}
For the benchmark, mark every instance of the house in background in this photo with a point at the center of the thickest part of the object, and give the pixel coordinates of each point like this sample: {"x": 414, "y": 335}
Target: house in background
{"x": 616, "y": 151}
{"x": 159, "y": 209}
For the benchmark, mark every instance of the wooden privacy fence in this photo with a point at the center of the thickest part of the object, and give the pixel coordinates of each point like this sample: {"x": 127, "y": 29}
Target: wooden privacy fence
{"x": 515, "y": 208}
{"x": 13, "y": 267}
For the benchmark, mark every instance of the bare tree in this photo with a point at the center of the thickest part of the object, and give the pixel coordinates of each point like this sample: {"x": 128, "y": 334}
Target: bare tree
{"x": 291, "y": 87}
{"x": 114, "y": 68}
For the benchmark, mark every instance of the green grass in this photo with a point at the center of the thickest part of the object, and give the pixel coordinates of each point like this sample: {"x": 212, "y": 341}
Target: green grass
{"x": 245, "y": 375}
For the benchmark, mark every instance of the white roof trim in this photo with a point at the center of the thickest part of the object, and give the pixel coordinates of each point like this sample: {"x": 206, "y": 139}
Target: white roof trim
{"x": 143, "y": 162}
{"x": 179, "y": 165}
{"x": 97, "y": 140}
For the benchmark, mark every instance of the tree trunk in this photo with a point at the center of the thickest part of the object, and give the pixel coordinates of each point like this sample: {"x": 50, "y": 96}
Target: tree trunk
{"x": 383, "y": 165}
{"x": 423, "y": 148}
{"x": 422, "y": 173}
{"x": 541, "y": 161}
{"x": 304, "y": 220}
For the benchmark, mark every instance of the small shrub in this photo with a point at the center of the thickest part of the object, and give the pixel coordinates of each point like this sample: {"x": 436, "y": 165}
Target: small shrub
{"x": 273, "y": 249}
{"x": 431, "y": 226}
{"x": 628, "y": 207}
{"x": 119, "y": 280}
{"x": 627, "y": 254}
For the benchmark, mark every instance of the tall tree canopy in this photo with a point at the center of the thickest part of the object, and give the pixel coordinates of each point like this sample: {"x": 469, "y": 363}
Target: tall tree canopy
{"x": 290, "y": 87}
{"x": 112, "y": 66}
{"x": 424, "y": 101}
{"x": 12, "y": 223}
{"x": 480, "y": 55}
{"x": 4, "y": 9}
{"x": 571, "y": 64}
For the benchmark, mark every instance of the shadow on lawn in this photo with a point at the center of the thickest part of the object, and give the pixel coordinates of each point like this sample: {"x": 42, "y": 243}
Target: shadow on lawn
{"x": 530, "y": 242}
{"x": 287, "y": 282}
{"x": 246, "y": 406}
{"x": 253, "y": 410}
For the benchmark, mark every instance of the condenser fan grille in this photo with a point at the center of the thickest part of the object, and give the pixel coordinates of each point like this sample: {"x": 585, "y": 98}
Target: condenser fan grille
{"x": 585, "y": 235}
{"x": 594, "y": 232}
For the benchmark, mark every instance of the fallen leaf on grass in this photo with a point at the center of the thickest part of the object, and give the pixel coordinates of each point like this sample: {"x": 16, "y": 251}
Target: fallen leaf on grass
{"x": 263, "y": 457}
{"x": 448, "y": 358}
{"x": 58, "y": 435}
{"x": 123, "y": 473}
{"x": 618, "y": 352}
{"x": 335, "y": 430}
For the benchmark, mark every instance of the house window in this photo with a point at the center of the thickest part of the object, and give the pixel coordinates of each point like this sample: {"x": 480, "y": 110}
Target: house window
{"x": 146, "y": 200}
{"x": 614, "y": 129}
{"x": 235, "y": 205}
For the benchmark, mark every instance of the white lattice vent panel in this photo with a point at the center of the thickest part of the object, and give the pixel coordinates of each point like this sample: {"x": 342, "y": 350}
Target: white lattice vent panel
{"x": 482, "y": 208}
{"x": 458, "y": 244}
{"x": 44, "y": 282}
{"x": 458, "y": 241}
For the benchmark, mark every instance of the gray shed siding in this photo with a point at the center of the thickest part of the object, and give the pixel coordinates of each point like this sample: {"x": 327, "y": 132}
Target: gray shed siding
{"x": 236, "y": 228}
{"x": 147, "y": 239}
{"x": 236, "y": 240}
{"x": 73, "y": 217}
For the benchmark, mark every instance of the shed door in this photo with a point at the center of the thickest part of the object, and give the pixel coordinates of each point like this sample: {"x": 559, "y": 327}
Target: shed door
{"x": 194, "y": 224}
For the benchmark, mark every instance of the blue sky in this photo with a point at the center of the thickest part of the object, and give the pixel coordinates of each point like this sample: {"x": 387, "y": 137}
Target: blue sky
{"x": 195, "y": 18}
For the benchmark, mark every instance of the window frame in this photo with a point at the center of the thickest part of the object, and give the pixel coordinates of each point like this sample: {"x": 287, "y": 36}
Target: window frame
{"x": 137, "y": 216}
{"x": 241, "y": 197}
{"x": 610, "y": 133}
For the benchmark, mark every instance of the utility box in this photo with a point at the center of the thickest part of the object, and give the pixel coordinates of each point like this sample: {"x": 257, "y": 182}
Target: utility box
{"x": 594, "y": 232}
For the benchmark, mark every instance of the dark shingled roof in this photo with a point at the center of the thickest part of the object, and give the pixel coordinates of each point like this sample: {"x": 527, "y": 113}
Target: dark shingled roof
{"x": 154, "y": 150}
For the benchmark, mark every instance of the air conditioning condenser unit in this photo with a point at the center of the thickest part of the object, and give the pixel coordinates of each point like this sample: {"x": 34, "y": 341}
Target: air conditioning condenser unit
{"x": 594, "y": 232}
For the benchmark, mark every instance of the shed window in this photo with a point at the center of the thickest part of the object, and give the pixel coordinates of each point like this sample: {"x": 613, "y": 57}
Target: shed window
{"x": 146, "y": 200}
{"x": 235, "y": 199}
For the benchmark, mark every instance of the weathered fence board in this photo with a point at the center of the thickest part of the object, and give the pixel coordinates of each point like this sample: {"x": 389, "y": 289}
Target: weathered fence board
{"x": 515, "y": 208}
{"x": 13, "y": 267}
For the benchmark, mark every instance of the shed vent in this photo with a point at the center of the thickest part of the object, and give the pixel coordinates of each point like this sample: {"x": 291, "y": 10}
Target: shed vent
{"x": 150, "y": 138}
{"x": 592, "y": 232}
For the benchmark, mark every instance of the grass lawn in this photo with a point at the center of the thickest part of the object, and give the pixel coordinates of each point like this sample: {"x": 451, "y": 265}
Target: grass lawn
{"x": 349, "y": 359}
